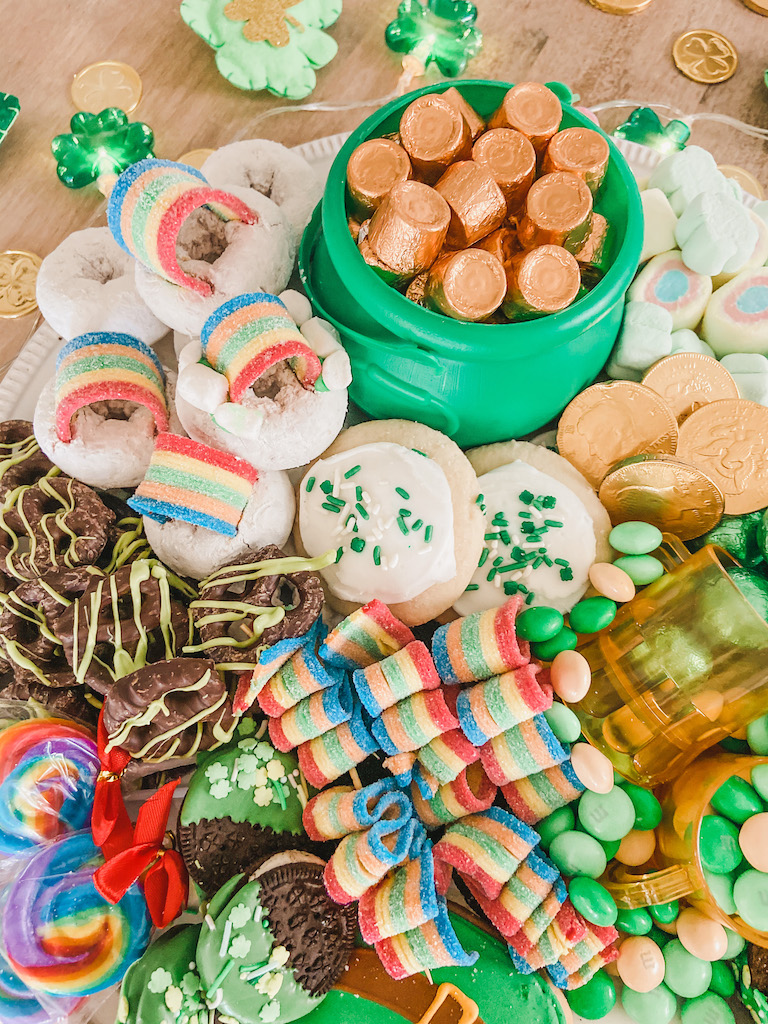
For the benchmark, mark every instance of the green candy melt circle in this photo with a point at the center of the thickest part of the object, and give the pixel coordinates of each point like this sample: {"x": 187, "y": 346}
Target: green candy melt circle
{"x": 595, "y": 999}
{"x": 655, "y": 1007}
{"x": 684, "y": 973}
{"x": 575, "y": 853}
{"x": 635, "y": 538}
{"x": 607, "y": 816}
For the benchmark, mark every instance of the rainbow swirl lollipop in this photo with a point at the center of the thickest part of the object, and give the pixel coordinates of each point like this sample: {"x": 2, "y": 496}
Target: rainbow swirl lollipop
{"x": 18, "y": 1003}
{"x": 61, "y": 937}
{"x": 48, "y": 770}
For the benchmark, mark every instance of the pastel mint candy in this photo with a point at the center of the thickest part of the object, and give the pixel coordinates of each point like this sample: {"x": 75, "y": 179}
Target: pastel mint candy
{"x": 723, "y": 983}
{"x": 593, "y": 901}
{"x": 686, "y": 340}
{"x": 735, "y": 944}
{"x": 750, "y": 372}
{"x": 538, "y": 624}
{"x": 759, "y": 779}
{"x": 606, "y": 816}
{"x": 719, "y": 848}
{"x": 575, "y": 853}
{"x": 757, "y": 735}
{"x": 716, "y": 234}
{"x": 750, "y": 894}
{"x": 642, "y": 569}
{"x": 645, "y": 337}
{"x": 563, "y": 723}
{"x": 594, "y": 1000}
{"x": 561, "y": 820}
{"x": 592, "y": 614}
{"x": 655, "y": 1007}
{"x": 684, "y": 973}
{"x": 634, "y": 922}
{"x": 709, "y": 1008}
{"x": 736, "y": 799}
{"x": 721, "y": 890}
{"x": 635, "y": 538}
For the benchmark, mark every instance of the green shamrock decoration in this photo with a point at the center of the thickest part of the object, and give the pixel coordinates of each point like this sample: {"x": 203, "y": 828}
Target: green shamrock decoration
{"x": 267, "y": 44}
{"x": 441, "y": 32}
{"x": 104, "y": 143}
{"x": 644, "y": 126}
{"x": 9, "y": 111}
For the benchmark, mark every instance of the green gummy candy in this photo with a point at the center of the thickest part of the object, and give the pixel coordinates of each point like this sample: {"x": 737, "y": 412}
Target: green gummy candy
{"x": 575, "y": 853}
{"x": 565, "y": 640}
{"x": 736, "y": 799}
{"x": 539, "y": 624}
{"x": 561, "y": 820}
{"x": 635, "y": 538}
{"x": 719, "y": 848}
{"x": 594, "y": 1000}
{"x": 708, "y": 1008}
{"x": 563, "y": 723}
{"x": 684, "y": 973}
{"x": 593, "y": 901}
{"x": 634, "y": 922}
{"x": 750, "y": 894}
{"x": 723, "y": 982}
{"x": 655, "y": 1007}
{"x": 641, "y": 569}
{"x": 607, "y": 816}
{"x": 647, "y": 807}
{"x": 665, "y": 913}
{"x": 757, "y": 735}
{"x": 592, "y": 614}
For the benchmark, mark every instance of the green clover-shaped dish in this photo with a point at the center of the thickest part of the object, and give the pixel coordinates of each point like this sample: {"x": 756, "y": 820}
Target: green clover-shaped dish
{"x": 442, "y": 32}
{"x": 97, "y": 144}
{"x": 284, "y": 70}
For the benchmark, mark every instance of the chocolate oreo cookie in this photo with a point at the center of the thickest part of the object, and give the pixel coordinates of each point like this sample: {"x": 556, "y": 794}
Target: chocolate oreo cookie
{"x": 217, "y": 849}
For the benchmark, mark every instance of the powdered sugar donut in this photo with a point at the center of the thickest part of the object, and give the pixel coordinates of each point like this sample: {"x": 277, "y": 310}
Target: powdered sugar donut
{"x": 87, "y": 284}
{"x": 197, "y": 552}
{"x": 104, "y": 433}
{"x": 275, "y": 171}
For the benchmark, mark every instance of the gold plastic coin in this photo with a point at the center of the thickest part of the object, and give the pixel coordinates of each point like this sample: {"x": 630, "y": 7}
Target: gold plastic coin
{"x": 747, "y": 181}
{"x": 107, "y": 83}
{"x": 758, "y": 6}
{"x": 195, "y": 157}
{"x": 705, "y": 56}
{"x": 18, "y": 277}
{"x": 621, "y": 6}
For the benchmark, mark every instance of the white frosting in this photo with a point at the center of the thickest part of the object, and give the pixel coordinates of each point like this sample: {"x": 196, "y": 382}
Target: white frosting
{"x": 411, "y": 561}
{"x": 573, "y": 542}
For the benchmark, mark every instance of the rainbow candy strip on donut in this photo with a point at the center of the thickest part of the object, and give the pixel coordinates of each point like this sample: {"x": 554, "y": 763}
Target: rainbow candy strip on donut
{"x": 197, "y": 484}
{"x": 523, "y": 750}
{"x": 481, "y": 645}
{"x": 404, "y": 673}
{"x": 364, "y": 637}
{"x": 328, "y": 757}
{"x": 247, "y": 335}
{"x": 106, "y": 365}
{"x": 403, "y": 900}
{"x": 536, "y": 796}
{"x": 425, "y": 947}
{"x": 148, "y": 205}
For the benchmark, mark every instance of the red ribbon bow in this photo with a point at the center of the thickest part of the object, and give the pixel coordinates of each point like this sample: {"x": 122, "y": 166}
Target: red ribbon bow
{"x": 130, "y": 853}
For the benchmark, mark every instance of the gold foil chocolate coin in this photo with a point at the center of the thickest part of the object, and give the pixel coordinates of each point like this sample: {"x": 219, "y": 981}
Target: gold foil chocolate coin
{"x": 665, "y": 492}
{"x": 18, "y": 277}
{"x": 705, "y": 56}
{"x": 729, "y": 441}
{"x": 688, "y": 380}
{"x": 195, "y": 157}
{"x": 107, "y": 83}
{"x": 614, "y": 421}
{"x": 758, "y": 6}
{"x": 621, "y": 6}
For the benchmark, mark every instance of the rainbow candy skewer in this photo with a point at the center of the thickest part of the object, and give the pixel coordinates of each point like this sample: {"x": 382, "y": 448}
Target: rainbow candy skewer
{"x": 413, "y": 722}
{"x": 481, "y": 645}
{"x": 337, "y": 812}
{"x": 524, "y": 750}
{"x": 365, "y": 637}
{"x": 269, "y": 661}
{"x": 328, "y": 757}
{"x": 489, "y": 708}
{"x": 575, "y": 967}
{"x": 312, "y": 717}
{"x": 535, "y": 881}
{"x": 448, "y": 754}
{"x": 299, "y": 677}
{"x": 470, "y": 792}
{"x": 363, "y": 858}
{"x": 383, "y": 684}
{"x": 403, "y": 900}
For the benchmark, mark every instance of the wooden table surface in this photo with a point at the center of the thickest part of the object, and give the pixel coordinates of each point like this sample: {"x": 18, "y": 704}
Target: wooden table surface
{"x": 189, "y": 105}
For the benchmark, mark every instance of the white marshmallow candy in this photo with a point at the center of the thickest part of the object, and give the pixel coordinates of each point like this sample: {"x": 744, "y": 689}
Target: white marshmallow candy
{"x": 715, "y": 234}
{"x": 689, "y": 341}
{"x": 202, "y": 386}
{"x": 683, "y": 175}
{"x": 758, "y": 258}
{"x": 298, "y": 305}
{"x": 337, "y": 371}
{"x": 736, "y": 319}
{"x": 646, "y": 336}
{"x": 322, "y": 336}
{"x": 240, "y": 420}
{"x": 659, "y": 222}
{"x": 750, "y": 371}
{"x": 191, "y": 353}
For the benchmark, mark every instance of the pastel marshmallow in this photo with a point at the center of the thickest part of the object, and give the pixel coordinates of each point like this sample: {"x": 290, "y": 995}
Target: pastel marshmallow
{"x": 715, "y": 234}
{"x": 750, "y": 371}
{"x": 191, "y": 353}
{"x": 321, "y": 335}
{"x": 298, "y": 305}
{"x": 337, "y": 370}
{"x": 683, "y": 175}
{"x": 689, "y": 341}
{"x": 240, "y": 420}
{"x": 202, "y": 386}
{"x": 659, "y": 222}
{"x": 761, "y": 210}
{"x": 667, "y": 282}
{"x": 758, "y": 257}
{"x": 736, "y": 319}
{"x": 646, "y": 336}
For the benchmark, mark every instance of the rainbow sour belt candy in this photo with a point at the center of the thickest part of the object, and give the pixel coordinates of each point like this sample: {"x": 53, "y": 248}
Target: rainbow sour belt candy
{"x": 584, "y": 958}
{"x": 337, "y": 812}
{"x": 269, "y": 661}
{"x": 409, "y": 671}
{"x": 312, "y": 717}
{"x": 524, "y": 750}
{"x": 403, "y": 900}
{"x": 413, "y": 722}
{"x": 487, "y": 709}
{"x": 426, "y": 947}
{"x": 535, "y": 881}
{"x": 61, "y": 936}
{"x": 247, "y": 335}
{"x": 481, "y": 645}
{"x": 364, "y": 858}
{"x": 447, "y": 755}
{"x": 328, "y": 757}
{"x": 104, "y": 366}
{"x": 471, "y": 791}
{"x": 148, "y": 205}
{"x": 365, "y": 637}
{"x": 536, "y": 796}
{"x": 302, "y": 675}
{"x": 48, "y": 770}
{"x": 189, "y": 481}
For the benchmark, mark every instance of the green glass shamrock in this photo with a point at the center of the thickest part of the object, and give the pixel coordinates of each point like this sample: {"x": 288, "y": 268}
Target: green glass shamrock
{"x": 644, "y": 126}
{"x": 104, "y": 143}
{"x": 442, "y": 31}
{"x": 9, "y": 111}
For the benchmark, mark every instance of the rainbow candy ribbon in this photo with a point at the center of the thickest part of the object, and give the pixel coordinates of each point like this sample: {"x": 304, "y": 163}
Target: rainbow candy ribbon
{"x": 402, "y": 674}
{"x": 302, "y": 675}
{"x": 148, "y": 205}
{"x": 196, "y": 484}
{"x": 425, "y": 947}
{"x": 524, "y": 750}
{"x": 328, "y": 757}
{"x": 336, "y": 812}
{"x": 311, "y": 717}
{"x": 470, "y": 792}
{"x": 536, "y": 796}
{"x": 106, "y": 365}
{"x": 366, "y": 636}
{"x": 403, "y": 900}
{"x": 481, "y": 645}
{"x": 489, "y": 708}
{"x": 247, "y": 335}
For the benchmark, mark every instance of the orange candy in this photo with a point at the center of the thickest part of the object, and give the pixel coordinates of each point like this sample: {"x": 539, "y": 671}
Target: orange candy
{"x": 636, "y": 848}
{"x": 701, "y": 936}
{"x": 640, "y": 963}
{"x": 571, "y": 676}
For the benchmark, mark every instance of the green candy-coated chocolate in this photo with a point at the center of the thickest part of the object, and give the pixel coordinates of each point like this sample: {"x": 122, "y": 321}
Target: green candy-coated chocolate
{"x": 655, "y": 1007}
{"x": 539, "y": 624}
{"x": 565, "y": 640}
{"x": 594, "y": 1000}
{"x": 719, "y": 848}
{"x": 659, "y": 937}
{"x": 575, "y": 853}
{"x": 592, "y": 614}
{"x": 634, "y": 922}
{"x": 738, "y": 535}
{"x": 721, "y": 888}
{"x": 641, "y": 569}
{"x": 735, "y": 944}
{"x": 750, "y": 893}
{"x": 723, "y": 982}
{"x": 647, "y": 807}
{"x": 709, "y": 1008}
{"x": 608, "y": 816}
{"x": 762, "y": 533}
{"x": 757, "y": 735}
{"x": 754, "y": 587}
{"x": 618, "y": 780}
{"x": 684, "y": 973}
{"x": 734, "y": 746}
{"x": 635, "y": 538}
{"x": 563, "y": 722}
{"x": 593, "y": 901}
{"x": 561, "y": 820}
{"x": 611, "y": 847}
{"x": 664, "y": 913}
{"x": 736, "y": 799}
{"x": 759, "y": 780}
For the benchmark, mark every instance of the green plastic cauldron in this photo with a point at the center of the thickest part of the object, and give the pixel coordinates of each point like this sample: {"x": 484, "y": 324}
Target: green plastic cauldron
{"x": 477, "y": 383}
